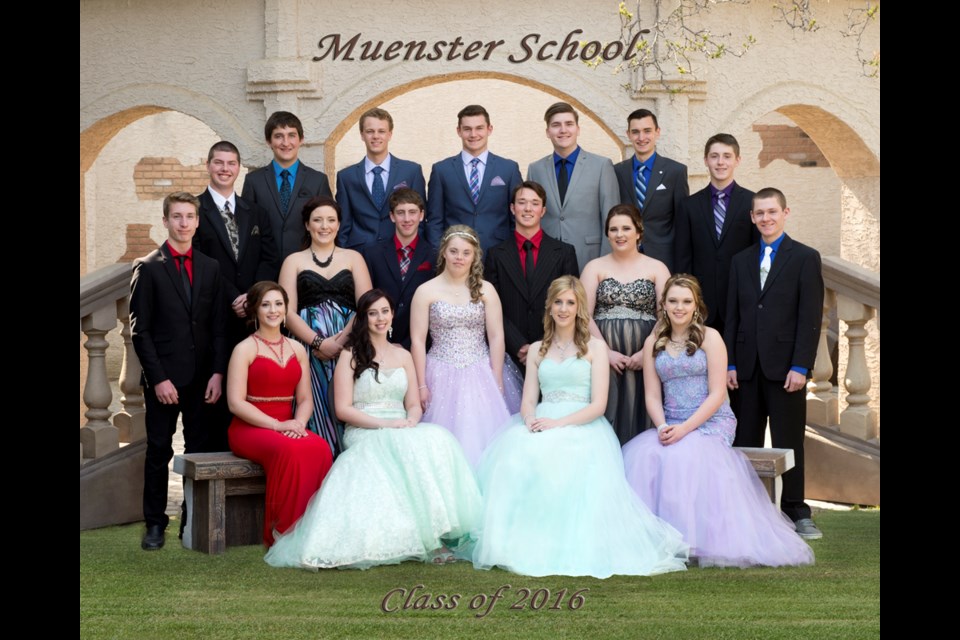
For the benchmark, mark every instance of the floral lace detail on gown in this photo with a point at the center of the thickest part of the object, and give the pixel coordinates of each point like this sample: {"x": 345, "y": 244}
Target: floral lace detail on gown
{"x": 684, "y": 380}
{"x": 626, "y": 301}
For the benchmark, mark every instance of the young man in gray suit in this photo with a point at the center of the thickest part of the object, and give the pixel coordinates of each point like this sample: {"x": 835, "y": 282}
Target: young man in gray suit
{"x": 284, "y": 186}
{"x": 581, "y": 187}
{"x": 653, "y": 183}
{"x": 364, "y": 189}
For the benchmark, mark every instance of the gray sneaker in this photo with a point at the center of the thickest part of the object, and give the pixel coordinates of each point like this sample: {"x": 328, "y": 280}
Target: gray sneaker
{"x": 807, "y": 530}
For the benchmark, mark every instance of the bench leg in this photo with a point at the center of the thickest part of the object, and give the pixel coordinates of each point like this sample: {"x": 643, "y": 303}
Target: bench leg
{"x": 216, "y": 517}
{"x": 206, "y": 515}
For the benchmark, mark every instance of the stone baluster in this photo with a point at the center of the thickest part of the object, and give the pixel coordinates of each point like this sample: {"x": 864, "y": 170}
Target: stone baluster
{"x": 858, "y": 419}
{"x": 130, "y": 419}
{"x": 821, "y": 398}
{"x": 98, "y": 436}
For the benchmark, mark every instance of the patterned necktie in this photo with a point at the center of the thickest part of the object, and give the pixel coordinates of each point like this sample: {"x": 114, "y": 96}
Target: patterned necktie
{"x": 640, "y": 185}
{"x": 185, "y": 278}
{"x": 563, "y": 179}
{"x": 405, "y": 261}
{"x": 230, "y": 222}
{"x": 285, "y": 191}
{"x": 379, "y": 192}
{"x": 474, "y": 180}
{"x": 528, "y": 262}
{"x": 765, "y": 265}
{"x": 719, "y": 213}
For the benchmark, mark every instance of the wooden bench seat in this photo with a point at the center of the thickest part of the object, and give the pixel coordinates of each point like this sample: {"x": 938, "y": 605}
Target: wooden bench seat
{"x": 225, "y": 500}
{"x": 770, "y": 464}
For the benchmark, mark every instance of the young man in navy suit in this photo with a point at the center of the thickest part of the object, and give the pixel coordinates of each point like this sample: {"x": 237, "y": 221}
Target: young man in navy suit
{"x": 363, "y": 189}
{"x": 403, "y": 262}
{"x": 177, "y": 328}
{"x": 284, "y": 186}
{"x": 713, "y": 225}
{"x": 473, "y": 187}
{"x": 653, "y": 183}
{"x": 774, "y": 305}
{"x": 522, "y": 267}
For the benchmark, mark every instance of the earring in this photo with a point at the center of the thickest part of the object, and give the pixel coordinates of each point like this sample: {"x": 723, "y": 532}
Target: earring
{"x": 283, "y": 322}
{"x": 696, "y": 316}
{"x": 256, "y": 324}
{"x": 390, "y": 332}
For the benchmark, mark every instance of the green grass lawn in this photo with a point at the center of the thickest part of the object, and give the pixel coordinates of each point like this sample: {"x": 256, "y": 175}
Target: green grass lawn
{"x": 175, "y": 594}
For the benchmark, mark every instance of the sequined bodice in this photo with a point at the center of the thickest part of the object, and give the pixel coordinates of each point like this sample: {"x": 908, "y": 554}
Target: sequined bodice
{"x": 383, "y": 398}
{"x": 566, "y": 381}
{"x": 458, "y": 332}
{"x": 631, "y": 301}
{"x": 314, "y": 290}
{"x": 684, "y": 381}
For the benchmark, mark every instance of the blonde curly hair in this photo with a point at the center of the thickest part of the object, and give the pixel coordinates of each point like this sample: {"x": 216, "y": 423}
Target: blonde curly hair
{"x": 475, "y": 277}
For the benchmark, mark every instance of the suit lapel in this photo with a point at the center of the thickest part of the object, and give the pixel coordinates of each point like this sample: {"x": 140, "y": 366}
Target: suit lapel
{"x": 215, "y": 220}
{"x": 392, "y": 181}
{"x": 780, "y": 260}
{"x": 488, "y": 174}
{"x": 171, "y": 269}
{"x": 297, "y": 185}
{"x": 461, "y": 176}
{"x": 548, "y": 256}
{"x": 735, "y": 205}
{"x": 515, "y": 270}
{"x": 553, "y": 189}
{"x": 582, "y": 166}
{"x": 656, "y": 179}
{"x": 704, "y": 211}
{"x": 244, "y": 228}
{"x": 419, "y": 257}
{"x": 271, "y": 177}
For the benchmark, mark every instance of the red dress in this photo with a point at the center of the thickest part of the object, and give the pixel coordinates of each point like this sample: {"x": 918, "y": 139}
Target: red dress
{"x": 295, "y": 467}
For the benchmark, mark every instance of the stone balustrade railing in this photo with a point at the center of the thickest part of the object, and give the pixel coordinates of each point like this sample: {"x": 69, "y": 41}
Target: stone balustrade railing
{"x": 104, "y": 299}
{"x": 854, "y": 292}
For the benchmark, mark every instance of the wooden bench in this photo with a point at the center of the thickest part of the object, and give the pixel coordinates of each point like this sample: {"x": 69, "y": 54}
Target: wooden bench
{"x": 770, "y": 464}
{"x": 225, "y": 500}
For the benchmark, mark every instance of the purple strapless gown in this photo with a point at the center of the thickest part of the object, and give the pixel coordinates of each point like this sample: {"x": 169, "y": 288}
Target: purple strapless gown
{"x": 702, "y": 486}
{"x": 464, "y": 397}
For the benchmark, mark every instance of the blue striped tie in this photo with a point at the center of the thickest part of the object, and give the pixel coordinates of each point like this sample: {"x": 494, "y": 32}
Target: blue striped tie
{"x": 719, "y": 213}
{"x": 640, "y": 185}
{"x": 474, "y": 180}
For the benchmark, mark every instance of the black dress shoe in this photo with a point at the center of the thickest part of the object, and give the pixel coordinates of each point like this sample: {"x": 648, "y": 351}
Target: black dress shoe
{"x": 153, "y": 539}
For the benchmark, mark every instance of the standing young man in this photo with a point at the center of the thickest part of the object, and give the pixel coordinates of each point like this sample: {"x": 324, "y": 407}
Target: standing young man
{"x": 772, "y": 330}
{"x": 521, "y": 269}
{"x": 581, "y": 187}
{"x": 403, "y": 262}
{"x": 473, "y": 187}
{"x": 177, "y": 328}
{"x": 284, "y": 186}
{"x": 713, "y": 225}
{"x": 364, "y": 189}
{"x": 654, "y": 183}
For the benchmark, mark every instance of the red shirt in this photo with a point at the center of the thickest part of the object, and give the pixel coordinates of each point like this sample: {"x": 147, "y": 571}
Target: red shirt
{"x": 188, "y": 261}
{"x": 537, "y": 237}
{"x": 412, "y": 245}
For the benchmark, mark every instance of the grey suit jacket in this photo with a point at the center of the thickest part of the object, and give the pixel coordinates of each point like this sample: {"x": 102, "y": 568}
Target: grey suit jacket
{"x": 260, "y": 187}
{"x": 591, "y": 193}
{"x": 666, "y": 189}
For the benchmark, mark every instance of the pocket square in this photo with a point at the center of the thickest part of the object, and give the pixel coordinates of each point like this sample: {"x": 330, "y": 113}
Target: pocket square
{"x": 402, "y": 185}
{"x": 661, "y": 187}
{"x": 425, "y": 266}
{"x": 255, "y": 231}
{"x": 497, "y": 182}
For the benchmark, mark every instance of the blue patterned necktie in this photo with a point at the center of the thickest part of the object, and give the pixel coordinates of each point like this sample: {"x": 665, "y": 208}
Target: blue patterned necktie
{"x": 719, "y": 213}
{"x": 379, "y": 192}
{"x": 640, "y": 185}
{"x": 474, "y": 180}
{"x": 285, "y": 191}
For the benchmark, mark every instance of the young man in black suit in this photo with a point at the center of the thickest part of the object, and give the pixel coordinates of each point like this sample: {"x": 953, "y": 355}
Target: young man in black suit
{"x": 774, "y": 305}
{"x": 522, "y": 267}
{"x": 402, "y": 263}
{"x": 284, "y": 186}
{"x": 713, "y": 225}
{"x": 177, "y": 328}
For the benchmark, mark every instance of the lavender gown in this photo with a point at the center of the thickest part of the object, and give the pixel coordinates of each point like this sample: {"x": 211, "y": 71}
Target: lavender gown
{"x": 463, "y": 394}
{"x": 702, "y": 486}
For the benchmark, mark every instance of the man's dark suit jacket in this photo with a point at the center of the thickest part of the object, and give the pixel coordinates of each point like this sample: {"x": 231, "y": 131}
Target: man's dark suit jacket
{"x": 666, "y": 188}
{"x": 699, "y": 252}
{"x": 384, "y": 267}
{"x": 780, "y": 325}
{"x": 450, "y": 202}
{"x": 523, "y": 304}
{"x": 363, "y": 223}
{"x": 260, "y": 187}
{"x": 176, "y": 340}
{"x": 258, "y": 257}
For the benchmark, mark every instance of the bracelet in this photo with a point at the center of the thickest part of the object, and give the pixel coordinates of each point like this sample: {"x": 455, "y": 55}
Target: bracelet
{"x": 317, "y": 341}
{"x": 661, "y": 427}
{"x": 524, "y": 418}
{"x": 423, "y": 386}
